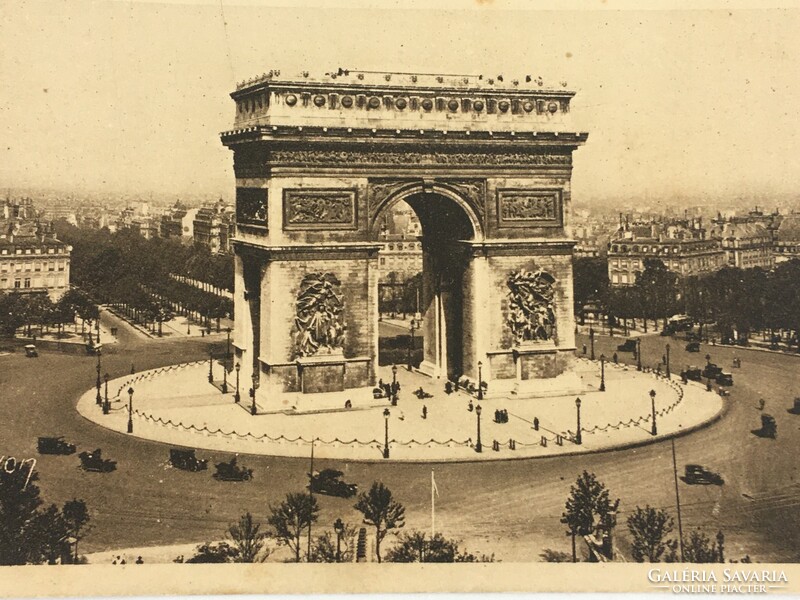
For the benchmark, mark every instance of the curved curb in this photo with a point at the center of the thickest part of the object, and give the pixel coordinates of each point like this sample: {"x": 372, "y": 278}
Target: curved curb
{"x": 726, "y": 403}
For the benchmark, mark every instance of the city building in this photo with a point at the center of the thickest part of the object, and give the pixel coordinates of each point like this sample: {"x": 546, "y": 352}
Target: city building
{"x": 31, "y": 258}
{"x": 747, "y": 244}
{"x": 178, "y": 223}
{"x": 787, "y": 238}
{"x": 682, "y": 245}
{"x": 213, "y": 227}
{"x": 401, "y": 255}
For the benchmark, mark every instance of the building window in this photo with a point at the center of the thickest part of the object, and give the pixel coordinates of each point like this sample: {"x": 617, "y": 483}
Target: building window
{"x": 61, "y": 265}
{"x": 27, "y": 282}
{"x": 624, "y": 278}
{"x": 37, "y": 266}
{"x": 17, "y": 283}
{"x": 51, "y": 266}
{"x": 615, "y": 278}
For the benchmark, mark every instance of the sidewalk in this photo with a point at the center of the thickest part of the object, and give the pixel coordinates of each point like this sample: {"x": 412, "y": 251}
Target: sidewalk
{"x": 178, "y": 327}
{"x": 70, "y": 335}
{"x": 177, "y": 405}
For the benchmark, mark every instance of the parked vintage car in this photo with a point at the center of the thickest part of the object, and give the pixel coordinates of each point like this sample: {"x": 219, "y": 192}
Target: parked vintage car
{"x": 378, "y": 393}
{"x": 768, "y": 426}
{"x": 628, "y": 346}
{"x": 186, "y": 460}
{"x": 94, "y": 461}
{"x": 700, "y": 475}
{"x": 55, "y": 445}
{"x": 693, "y": 373}
{"x": 231, "y": 471}
{"x": 328, "y": 482}
{"x": 725, "y": 378}
{"x": 693, "y": 347}
{"x": 31, "y": 351}
{"x": 711, "y": 370}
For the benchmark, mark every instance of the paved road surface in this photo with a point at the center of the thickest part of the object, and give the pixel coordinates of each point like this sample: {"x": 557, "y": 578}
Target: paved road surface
{"x": 511, "y": 509}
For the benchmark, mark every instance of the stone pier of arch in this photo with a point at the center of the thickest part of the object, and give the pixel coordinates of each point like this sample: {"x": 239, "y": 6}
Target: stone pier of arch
{"x": 487, "y": 168}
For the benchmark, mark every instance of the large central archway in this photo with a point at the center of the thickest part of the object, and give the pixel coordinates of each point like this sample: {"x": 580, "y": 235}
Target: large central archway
{"x": 486, "y": 167}
{"x": 448, "y": 224}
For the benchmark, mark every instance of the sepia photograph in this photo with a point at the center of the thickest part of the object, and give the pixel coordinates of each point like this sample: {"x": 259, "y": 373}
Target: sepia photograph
{"x": 300, "y": 291}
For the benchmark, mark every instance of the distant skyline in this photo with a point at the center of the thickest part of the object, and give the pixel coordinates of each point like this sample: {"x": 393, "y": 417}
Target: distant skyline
{"x": 130, "y": 97}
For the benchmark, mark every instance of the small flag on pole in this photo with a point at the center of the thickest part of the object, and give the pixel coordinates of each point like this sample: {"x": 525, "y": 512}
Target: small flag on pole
{"x": 434, "y": 490}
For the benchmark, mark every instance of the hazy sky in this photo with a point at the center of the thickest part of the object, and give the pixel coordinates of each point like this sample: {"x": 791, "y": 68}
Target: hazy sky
{"x": 132, "y": 96}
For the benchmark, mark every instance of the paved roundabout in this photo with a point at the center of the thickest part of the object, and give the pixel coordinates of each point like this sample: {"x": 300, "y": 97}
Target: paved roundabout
{"x": 178, "y": 405}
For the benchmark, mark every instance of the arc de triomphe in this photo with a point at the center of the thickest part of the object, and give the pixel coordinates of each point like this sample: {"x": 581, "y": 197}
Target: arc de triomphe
{"x": 485, "y": 164}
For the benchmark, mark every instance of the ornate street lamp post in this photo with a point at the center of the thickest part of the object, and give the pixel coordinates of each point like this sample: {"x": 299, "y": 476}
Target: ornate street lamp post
{"x": 394, "y": 385}
{"x": 225, "y": 378}
{"x": 591, "y": 341}
{"x": 338, "y": 527}
{"x": 654, "y": 429}
{"x": 106, "y": 405}
{"x": 480, "y": 380}
{"x": 210, "y": 366}
{"x": 638, "y": 354}
{"x": 99, "y": 399}
{"x": 669, "y": 375}
{"x": 236, "y": 396}
{"x": 708, "y": 360}
{"x": 130, "y": 410}
{"x": 478, "y": 445}
{"x": 578, "y": 437}
{"x": 386, "y": 433}
{"x": 253, "y": 409}
{"x": 602, "y": 372}
{"x": 228, "y": 351}
{"x": 413, "y": 327}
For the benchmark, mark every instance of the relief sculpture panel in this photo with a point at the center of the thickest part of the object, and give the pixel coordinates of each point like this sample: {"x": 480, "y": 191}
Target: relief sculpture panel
{"x": 319, "y": 316}
{"x": 319, "y": 209}
{"x": 531, "y": 307}
{"x": 251, "y": 206}
{"x": 524, "y": 208}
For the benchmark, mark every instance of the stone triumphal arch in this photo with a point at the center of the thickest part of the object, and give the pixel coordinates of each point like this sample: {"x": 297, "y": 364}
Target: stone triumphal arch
{"x": 485, "y": 164}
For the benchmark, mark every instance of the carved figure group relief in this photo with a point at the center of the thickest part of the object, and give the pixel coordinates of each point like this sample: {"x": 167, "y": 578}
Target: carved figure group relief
{"x": 319, "y": 315}
{"x": 419, "y": 157}
{"x": 534, "y": 207}
{"x": 251, "y": 206}
{"x": 531, "y": 307}
{"x": 322, "y": 208}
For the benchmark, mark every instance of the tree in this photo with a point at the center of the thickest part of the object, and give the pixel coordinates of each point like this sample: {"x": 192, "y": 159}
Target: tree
{"x": 590, "y": 276}
{"x": 588, "y": 507}
{"x": 76, "y": 516}
{"x": 28, "y": 535}
{"x": 326, "y": 549}
{"x": 291, "y": 518}
{"x": 381, "y": 511}
{"x": 555, "y": 556}
{"x": 218, "y": 552}
{"x": 416, "y": 547}
{"x": 248, "y": 540}
{"x": 650, "y": 528}
{"x": 698, "y": 548}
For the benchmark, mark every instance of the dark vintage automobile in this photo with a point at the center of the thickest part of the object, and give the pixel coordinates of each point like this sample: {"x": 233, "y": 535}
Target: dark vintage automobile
{"x": 31, "y": 351}
{"x": 711, "y": 370}
{"x": 693, "y": 347}
{"x": 94, "y": 461}
{"x": 186, "y": 460}
{"x": 693, "y": 373}
{"x": 696, "y": 474}
{"x": 55, "y": 445}
{"x": 378, "y": 393}
{"x": 628, "y": 346}
{"x": 768, "y": 427}
{"x": 231, "y": 471}
{"x": 328, "y": 482}
{"x": 725, "y": 378}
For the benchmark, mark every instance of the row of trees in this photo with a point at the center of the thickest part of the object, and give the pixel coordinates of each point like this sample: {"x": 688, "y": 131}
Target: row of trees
{"x": 38, "y": 310}
{"x": 589, "y": 510}
{"x": 738, "y": 301}
{"x": 32, "y": 534}
{"x": 128, "y": 270}
{"x": 290, "y": 520}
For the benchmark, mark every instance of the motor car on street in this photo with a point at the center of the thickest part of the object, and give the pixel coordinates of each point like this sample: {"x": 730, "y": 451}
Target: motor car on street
{"x": 55, "y": 445}
{"x": 697, "y": 474}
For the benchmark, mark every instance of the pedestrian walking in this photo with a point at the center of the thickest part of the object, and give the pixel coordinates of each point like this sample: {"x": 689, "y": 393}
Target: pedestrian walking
{"x": 536, "y": 423}
{"x": 139, "y": 561}
{"x": 424, "y": 412}
{"x": 470, "y": 407}
{"x": 584, "y": 348}
{"x": 616, "y": 358}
